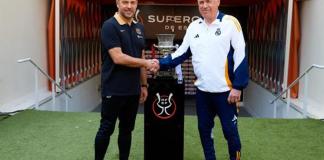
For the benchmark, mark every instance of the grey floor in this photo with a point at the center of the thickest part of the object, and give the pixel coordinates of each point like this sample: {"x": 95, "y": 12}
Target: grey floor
{"x": 190, "y": 108}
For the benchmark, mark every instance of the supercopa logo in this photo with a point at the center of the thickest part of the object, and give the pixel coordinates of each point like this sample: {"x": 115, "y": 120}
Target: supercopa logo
{"x": 138, "y": 18}
{"x": 164, "y": 107}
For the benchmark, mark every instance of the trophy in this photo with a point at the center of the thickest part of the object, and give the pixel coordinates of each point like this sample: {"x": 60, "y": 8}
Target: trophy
{"x": 165, "y": 47}
{"x": 164, "y": 104}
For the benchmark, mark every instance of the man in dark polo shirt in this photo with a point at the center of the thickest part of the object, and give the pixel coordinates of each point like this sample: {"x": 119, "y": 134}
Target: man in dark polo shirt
{"x": 123, "y": 77}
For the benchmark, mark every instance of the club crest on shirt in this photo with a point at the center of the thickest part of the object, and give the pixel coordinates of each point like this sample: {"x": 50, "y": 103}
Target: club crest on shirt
{"x": 218, "y": 32}
{"x": 138, "y": 31}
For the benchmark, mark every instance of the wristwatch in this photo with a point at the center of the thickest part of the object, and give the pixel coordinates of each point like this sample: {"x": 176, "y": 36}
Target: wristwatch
{"x": 144, "y": 85}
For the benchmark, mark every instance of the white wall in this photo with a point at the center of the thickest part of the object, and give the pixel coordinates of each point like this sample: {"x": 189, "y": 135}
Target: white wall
{"x": 312, "y": 52}
{"x": 257, "y": 103}
{"x": 85, "y": 97}
{"x": 23, "y": 26}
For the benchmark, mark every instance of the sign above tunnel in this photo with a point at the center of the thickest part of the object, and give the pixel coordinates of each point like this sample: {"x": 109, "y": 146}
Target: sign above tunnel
{"x": 166, "y": 19}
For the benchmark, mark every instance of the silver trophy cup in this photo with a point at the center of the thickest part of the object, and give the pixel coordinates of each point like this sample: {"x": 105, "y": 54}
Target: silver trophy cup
{"x": 165, "y": 47}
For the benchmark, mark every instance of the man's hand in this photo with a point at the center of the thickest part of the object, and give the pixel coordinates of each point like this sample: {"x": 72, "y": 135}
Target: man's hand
{"x": 234, "y": 96}
{"x": 153, "y": 65}
{"x": 144, "y": 94}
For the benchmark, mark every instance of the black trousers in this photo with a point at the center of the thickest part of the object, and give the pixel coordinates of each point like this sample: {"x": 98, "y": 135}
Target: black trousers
{"x": 125, "y": 109}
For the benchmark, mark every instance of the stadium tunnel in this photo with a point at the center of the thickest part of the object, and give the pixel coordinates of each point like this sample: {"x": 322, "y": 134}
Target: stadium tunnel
{"x": 264, "y": 24}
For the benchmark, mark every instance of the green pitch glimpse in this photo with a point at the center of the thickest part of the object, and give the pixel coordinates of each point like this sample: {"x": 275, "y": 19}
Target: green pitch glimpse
{"x": 32, "y": 135}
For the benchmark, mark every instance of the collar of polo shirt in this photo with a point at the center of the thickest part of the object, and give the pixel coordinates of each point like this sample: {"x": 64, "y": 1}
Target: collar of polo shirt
{"x": 121, "y": 20}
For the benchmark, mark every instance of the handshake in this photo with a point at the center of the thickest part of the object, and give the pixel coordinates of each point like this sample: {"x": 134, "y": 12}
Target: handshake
{"x": 152, "y": 65}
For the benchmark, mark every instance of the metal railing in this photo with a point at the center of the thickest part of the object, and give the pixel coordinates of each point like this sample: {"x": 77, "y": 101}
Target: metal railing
{"x": 37, "y": 101}
{"x": 305, "y": 97}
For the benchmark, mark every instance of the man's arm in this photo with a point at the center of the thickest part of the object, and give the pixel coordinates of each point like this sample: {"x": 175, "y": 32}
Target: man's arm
{"x": 143, "y": 81}
{"x": 241, "y": 76}
{"x": 111, "y": 40}
{"x": 143, "y": 76}
{"x": 120, "y": 58}
{"x": 178, "y": 57}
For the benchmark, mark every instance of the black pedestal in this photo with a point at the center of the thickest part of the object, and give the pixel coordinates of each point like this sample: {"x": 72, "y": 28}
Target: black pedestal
{"x": 163, "y": 119}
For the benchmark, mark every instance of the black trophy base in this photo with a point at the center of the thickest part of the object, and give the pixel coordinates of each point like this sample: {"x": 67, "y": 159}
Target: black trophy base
{"x": 164, "y": 120}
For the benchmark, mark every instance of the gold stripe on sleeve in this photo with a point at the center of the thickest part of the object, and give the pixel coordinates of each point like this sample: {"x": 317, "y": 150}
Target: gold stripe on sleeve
{"x": 236, "y": 23}
{"x": 228, "y": 81}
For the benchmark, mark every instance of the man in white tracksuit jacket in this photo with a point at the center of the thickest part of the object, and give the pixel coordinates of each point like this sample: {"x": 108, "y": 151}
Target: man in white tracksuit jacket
{"x": 216, "y": 44}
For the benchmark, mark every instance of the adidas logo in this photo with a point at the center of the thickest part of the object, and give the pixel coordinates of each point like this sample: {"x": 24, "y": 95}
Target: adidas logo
{"x": 197, "y": 36}
{"x": 234, "y": 120}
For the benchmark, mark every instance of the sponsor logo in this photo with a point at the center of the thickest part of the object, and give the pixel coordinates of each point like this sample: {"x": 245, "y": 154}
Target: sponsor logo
{"x": 170, "y": 19}
{"x": 234, "y": 120}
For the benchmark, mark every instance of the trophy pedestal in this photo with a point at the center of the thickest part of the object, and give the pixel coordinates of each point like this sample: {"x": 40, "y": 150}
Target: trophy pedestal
{"x": 164, "y": 120}
{"x": 164, "y": 111}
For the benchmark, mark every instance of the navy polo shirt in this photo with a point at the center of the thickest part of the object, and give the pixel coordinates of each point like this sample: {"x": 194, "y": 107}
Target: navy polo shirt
{"x": 119, "y": 79}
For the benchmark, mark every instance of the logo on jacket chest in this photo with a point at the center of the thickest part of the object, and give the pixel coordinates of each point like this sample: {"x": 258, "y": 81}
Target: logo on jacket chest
{"x": 218, "y": 32}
